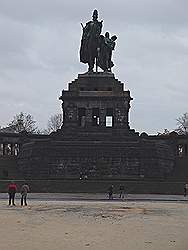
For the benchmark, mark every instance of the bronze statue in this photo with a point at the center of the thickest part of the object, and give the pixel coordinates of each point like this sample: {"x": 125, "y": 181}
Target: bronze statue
{"x": 90, "y": 41}
{"x": 106, "y": 45}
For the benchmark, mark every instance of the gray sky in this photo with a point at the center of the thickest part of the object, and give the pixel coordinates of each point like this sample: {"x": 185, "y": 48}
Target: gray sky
{"x": 39, "y": 47}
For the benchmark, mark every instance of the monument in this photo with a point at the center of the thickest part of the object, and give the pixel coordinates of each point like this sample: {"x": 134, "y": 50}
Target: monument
{"x": 96, "y": 48}
{"x": 96, "y": 140}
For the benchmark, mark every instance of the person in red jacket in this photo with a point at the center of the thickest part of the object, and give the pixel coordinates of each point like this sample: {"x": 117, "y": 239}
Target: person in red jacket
{"x": 11, "y": 192}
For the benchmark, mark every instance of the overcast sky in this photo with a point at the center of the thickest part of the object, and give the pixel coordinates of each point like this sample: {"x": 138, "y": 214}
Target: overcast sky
{"x": 39, "y": 45}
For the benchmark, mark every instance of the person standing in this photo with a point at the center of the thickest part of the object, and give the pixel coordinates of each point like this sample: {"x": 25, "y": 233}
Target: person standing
{"x": 11, "y": 192}
{"x": 24, "y": 191}
{"x": 185, "y": 189}
{"x": 110, "y": 192}
{"x": 121, "y": 191}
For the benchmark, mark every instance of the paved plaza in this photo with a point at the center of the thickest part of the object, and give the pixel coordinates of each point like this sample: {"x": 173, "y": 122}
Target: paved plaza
{"x": 91, "y": 221}
{"x": 99, "y": 197}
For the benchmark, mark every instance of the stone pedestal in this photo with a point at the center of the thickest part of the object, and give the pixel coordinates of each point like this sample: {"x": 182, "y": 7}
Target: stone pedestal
{"x": 96, "y": 103}
{"x": 95, "y": 139}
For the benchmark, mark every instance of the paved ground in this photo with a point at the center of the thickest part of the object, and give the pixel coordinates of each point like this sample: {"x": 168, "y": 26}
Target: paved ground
{"x": 99, "y": 197}
{"x": 80, "y": 221}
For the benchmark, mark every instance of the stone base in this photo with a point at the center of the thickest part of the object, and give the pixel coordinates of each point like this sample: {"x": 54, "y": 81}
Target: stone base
{"x": 87, "y": 145}
{"x": 136, "y": 156}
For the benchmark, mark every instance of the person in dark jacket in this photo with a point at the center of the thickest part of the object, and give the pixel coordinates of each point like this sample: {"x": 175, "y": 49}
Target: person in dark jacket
{"x": 11, "y": 192}
{"x": 185, "y": 189}
{"x": 121, "y": 191}
{"x": 110, "y": 192}
{"x": 23, "y": 191}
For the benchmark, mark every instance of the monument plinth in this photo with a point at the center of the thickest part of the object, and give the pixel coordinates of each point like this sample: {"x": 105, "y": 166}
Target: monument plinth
{"x": 97, "y": 103}
{"x": 95, "y": 139}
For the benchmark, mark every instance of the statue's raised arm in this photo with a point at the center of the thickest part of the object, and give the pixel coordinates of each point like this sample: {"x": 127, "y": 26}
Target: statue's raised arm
{"x": 90, "y": 41}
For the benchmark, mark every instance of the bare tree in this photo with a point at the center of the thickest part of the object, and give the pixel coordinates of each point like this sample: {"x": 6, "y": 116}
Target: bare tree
{"x": 23, "y": 122}
{"x": 54, "y": 123}
{"x": 182, "y": 124}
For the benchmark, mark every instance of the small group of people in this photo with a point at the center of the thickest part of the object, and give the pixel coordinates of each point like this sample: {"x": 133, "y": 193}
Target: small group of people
{"x": 83, "y": 176}
{"x": 12, "y": 190}
{"x": 121, "y": 192}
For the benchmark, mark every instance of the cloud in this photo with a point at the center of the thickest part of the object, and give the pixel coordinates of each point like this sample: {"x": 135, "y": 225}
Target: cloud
{"x": 39, "y": 47}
